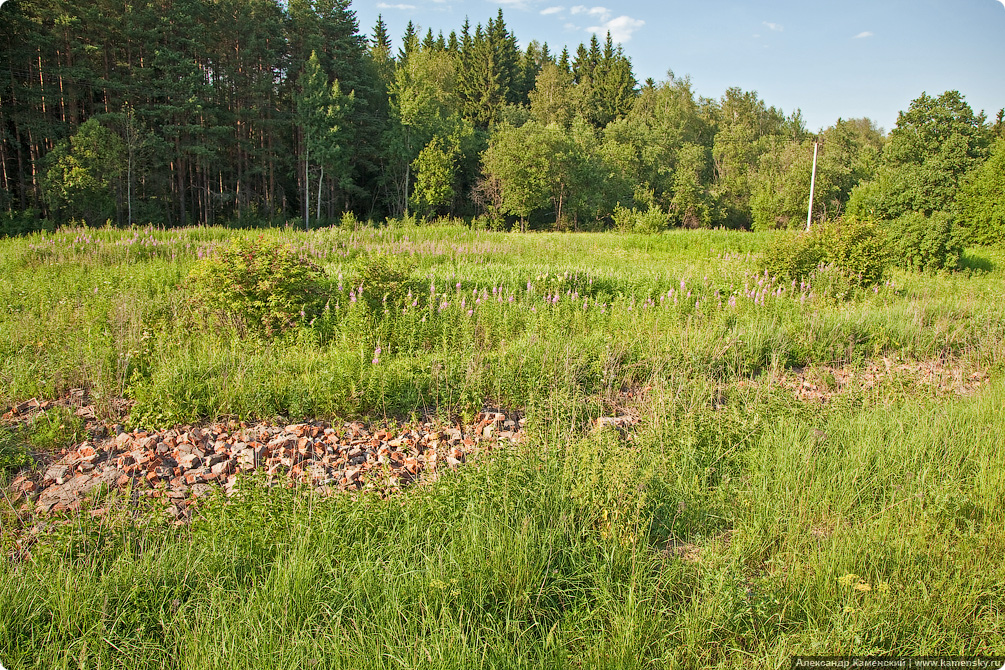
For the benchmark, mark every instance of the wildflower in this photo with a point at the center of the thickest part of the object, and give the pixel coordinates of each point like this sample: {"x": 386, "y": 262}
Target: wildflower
{"x": 376, "y": 355}
{"x": 849, "y": 579}
{"x": 470, "y": 312}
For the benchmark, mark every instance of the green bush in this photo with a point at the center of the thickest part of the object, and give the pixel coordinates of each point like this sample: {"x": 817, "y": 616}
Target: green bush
{"x": 21, "y": 223}
{"x": 634, "y": 220}
{"x": 258, "y": 284}
{"x": 855, "y": 247}
{"x": 926, "y": 243}
{"x": 980, "y": 204}
{"x": 384, "y": 279}
{"x": 794, "y": 256}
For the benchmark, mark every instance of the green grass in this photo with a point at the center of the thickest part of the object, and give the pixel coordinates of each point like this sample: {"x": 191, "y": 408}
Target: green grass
{"x": 734, "y": 528}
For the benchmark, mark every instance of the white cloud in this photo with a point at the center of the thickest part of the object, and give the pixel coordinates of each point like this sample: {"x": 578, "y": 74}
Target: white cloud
{"x": 777, "y": 27}
{"x": 384, "y": 5}
{"x": 621, "y": 28}
{"x": 552, "y": 10}
{"x": 866, "y": 33}
{"x": 602, "y": 13}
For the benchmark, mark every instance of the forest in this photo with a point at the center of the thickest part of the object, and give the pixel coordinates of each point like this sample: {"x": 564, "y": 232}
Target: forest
{"x": 251, "y": 112}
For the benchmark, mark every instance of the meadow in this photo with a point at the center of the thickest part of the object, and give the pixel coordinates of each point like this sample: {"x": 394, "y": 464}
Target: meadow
{"x": 814, "y": 466}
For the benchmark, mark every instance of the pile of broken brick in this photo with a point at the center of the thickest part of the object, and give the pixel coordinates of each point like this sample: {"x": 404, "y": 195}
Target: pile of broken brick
{"x": 184, "y": 464}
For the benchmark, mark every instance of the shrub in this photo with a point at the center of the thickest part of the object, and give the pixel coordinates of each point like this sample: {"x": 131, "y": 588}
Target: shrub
{"x": 794, "y": 256}
{"x": 980, "y": 204}
{"x": 856, "y": 248}
{"x": 21, "y": 223}
{"x": 384, "y": 279}
{"x": 926, "y": 243}
{"x": 634, "y": 220}
{"x": 258, "y": 284}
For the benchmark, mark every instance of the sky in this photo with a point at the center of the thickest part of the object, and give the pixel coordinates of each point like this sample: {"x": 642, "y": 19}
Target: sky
{"x": 838, "y": 59}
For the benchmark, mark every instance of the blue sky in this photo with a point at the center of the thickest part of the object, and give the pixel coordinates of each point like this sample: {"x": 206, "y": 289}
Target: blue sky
{"x": 829, "y": 59}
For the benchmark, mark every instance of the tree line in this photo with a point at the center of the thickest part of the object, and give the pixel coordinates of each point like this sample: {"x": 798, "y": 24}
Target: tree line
{"x": 179, "y": 112}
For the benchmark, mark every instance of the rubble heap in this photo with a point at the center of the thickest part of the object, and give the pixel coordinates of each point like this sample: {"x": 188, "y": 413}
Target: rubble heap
{"x": 185, "y": 463}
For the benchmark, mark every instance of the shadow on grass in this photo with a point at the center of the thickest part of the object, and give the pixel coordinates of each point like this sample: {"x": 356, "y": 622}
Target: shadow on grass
{"x": 973, "y": 263}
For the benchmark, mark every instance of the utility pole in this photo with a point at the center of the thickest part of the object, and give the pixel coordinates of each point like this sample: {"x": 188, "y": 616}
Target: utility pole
{"x": 813, "y": 180}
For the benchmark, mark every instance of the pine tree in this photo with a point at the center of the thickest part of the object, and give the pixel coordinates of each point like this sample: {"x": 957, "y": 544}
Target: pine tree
{"x": 380, "y": 45}
{"x": 429, "y": 42}
{"x": 409, "y": 42}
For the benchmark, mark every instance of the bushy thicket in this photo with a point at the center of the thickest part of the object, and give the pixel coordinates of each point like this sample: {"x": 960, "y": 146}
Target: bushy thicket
{"x": 635, "y": 220}
{"x": 927, "y": 243}
{"x": 980, "y": 206}
{"x": 856, "y": 248}
{"x": 257, "y": 285}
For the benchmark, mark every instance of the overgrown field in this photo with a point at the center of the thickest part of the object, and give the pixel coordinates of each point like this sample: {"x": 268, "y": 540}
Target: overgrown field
{"x": 815, "y": 467}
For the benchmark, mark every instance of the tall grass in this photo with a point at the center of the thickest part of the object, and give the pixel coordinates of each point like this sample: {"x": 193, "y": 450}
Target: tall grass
{"x": 733, "y": 526}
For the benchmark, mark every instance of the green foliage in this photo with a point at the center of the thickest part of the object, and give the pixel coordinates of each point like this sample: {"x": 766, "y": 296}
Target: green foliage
{"x": 385, "y": 279}
{"x": 634, "y": 220}
{"x": 747, "y": 128}
{"x": 980, "y": 206}
{"x": 691, "y": 205}
{"x": 534, "y": 166}
{"x": 321, "y": 113}
{"x": 856, "y": 248}
{"x": 554, "y": 98}
{"x": 926, "y": 243}
{"x": 936, "y": 142}
{"x": 82, "y": 174}
{"x": 13, "y": 454}
{"x": 55, "y": 429}
{"x": 795, "y": 256}
{"x": 257, "y": 284}
{"x": 21, "y": 223}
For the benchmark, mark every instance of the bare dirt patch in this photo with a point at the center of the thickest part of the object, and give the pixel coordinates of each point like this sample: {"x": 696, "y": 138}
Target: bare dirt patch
{"x": 823, "y": 383}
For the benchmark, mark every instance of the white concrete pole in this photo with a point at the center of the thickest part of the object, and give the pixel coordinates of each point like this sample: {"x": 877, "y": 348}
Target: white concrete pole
{"x": 813, "y": 180}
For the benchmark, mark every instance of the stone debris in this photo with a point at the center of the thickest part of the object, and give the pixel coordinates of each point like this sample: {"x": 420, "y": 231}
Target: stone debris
{"x": 189, "y": 462}
{"x": 823, "y": 383}
{"x": 618, "y": 423}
